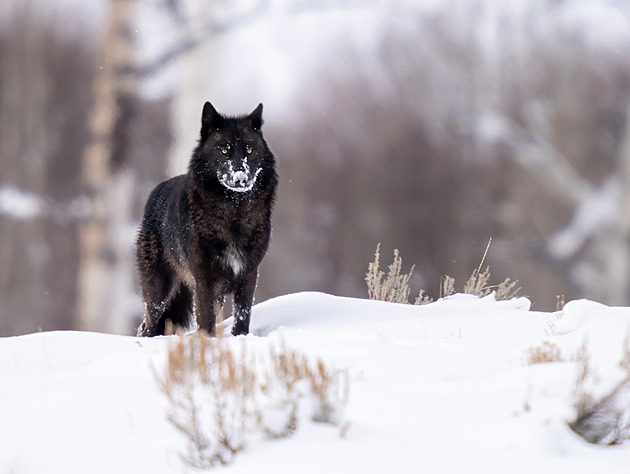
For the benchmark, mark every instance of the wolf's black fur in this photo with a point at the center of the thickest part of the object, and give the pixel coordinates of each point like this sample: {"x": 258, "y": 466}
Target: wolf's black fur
{"x": 204, "y": 233}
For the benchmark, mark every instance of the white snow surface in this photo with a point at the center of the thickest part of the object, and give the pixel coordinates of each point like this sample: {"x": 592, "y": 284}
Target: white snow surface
{"x": 440, "y": 388}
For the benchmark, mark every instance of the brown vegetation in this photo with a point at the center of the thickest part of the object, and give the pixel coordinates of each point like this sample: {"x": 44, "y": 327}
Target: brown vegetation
{"x": 394, "y": 286}
{"x": 223, "y": 394}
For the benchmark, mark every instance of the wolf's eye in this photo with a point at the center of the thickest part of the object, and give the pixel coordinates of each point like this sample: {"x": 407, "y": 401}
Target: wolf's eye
{"x": 224, "y": 150}
{"x": 248, "y": 149}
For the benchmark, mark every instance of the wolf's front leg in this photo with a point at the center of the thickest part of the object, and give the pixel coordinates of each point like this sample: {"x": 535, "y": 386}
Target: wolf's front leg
{"x": 243, "y": 300}
{"x": 208, "y": 307}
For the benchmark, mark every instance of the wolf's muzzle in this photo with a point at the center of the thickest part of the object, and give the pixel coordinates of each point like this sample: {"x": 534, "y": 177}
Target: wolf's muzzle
{"x": 240, "y": 181}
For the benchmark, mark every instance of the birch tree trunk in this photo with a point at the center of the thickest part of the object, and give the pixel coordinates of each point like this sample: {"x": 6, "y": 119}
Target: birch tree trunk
{"x": 106, "y": 262}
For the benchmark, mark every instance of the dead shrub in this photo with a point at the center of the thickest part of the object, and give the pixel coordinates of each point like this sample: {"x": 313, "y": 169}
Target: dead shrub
{"x": 210, "y": 390}
{"x": 394, "y": 286}
{"x": 507, "y": 289}
{"x": 601, "y": 420}
{"x": 447, "y": 286}
{"x": 222, "y": 395}
{"x": 477, "y": 283}
{"x": 423, "y": 298}
{"x": 547, "y": 352}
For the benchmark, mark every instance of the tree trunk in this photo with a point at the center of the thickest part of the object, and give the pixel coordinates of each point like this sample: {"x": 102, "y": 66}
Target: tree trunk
{"x": 106, "y": 268}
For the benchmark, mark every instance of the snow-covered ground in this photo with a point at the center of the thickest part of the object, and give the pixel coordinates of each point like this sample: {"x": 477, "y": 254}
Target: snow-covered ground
{"x": 441, "y": 388}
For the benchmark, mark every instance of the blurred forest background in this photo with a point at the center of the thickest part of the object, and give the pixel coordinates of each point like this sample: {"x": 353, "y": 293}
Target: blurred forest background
{"x": 427, "y": 125}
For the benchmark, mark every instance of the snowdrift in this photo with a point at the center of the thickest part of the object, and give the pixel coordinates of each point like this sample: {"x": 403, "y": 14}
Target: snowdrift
{"x": 440, "y": 388}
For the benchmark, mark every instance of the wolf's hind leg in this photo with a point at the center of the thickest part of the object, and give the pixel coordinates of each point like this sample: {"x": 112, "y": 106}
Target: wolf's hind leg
{"x": 157, "y": 291}
{"x": 179, "y": 309}
{"x": 154, "y": 323}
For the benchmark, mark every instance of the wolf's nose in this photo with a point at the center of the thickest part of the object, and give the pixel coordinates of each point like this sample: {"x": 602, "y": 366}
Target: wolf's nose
{"x": 240, "y": 177}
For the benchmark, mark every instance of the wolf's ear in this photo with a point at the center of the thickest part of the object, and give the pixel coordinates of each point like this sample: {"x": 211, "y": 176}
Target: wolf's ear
{"x": 210, "y": 119}
{"x": 256, "y": 117}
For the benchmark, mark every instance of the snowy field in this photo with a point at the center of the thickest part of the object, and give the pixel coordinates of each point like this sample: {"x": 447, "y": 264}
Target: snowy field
{"x": 441, "y": 388}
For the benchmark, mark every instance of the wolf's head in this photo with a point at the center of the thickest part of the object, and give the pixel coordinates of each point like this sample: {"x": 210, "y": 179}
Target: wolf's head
{"x": 232, "y": 154}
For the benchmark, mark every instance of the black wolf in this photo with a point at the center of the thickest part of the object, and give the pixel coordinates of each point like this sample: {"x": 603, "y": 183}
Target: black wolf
{"x": 204, "y": 233}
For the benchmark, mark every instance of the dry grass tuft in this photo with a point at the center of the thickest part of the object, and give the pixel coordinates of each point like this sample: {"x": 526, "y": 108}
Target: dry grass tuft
{"x": 423, "y": 298}
{"x": 559, "y": 302}
{"x": 507, "y": 290}
{"x": 601, "y": 420}
{"x": 292, "y": 377}
{"x": 477, "y": 283}
{"x": 447, "y": 286}
{"x": 547, "y": 352}
{"x": 394, "y": 286}
{"x": 221, "y": 395}
{"x": 210, "y": 390}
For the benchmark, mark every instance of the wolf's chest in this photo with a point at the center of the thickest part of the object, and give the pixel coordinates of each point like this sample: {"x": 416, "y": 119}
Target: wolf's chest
{"x": 240, "y": 238}
{"x": 231, "y": 236}
{"x": 228, "y": 245}
{"x": 233, "y": 259}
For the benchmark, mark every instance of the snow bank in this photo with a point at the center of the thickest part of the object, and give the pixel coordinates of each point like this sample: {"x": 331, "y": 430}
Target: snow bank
{"x": 438, "y": 388}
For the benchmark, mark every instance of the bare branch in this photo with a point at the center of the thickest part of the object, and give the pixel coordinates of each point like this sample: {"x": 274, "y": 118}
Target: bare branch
{"x": 242, "y": 20}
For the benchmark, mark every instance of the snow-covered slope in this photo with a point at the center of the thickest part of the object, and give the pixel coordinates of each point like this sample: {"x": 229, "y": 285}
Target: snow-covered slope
{"x": 441, "y": 388}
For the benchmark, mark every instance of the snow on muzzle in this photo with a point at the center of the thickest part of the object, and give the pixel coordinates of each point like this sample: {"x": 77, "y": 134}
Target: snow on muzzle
{"x": 241, "y": 180}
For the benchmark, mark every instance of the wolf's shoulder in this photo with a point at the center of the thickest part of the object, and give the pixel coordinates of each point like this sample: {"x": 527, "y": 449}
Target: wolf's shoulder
{"x": 167, "y": 190}
{"x": 165, "y": 196}
{"x": 171, "y": 186}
